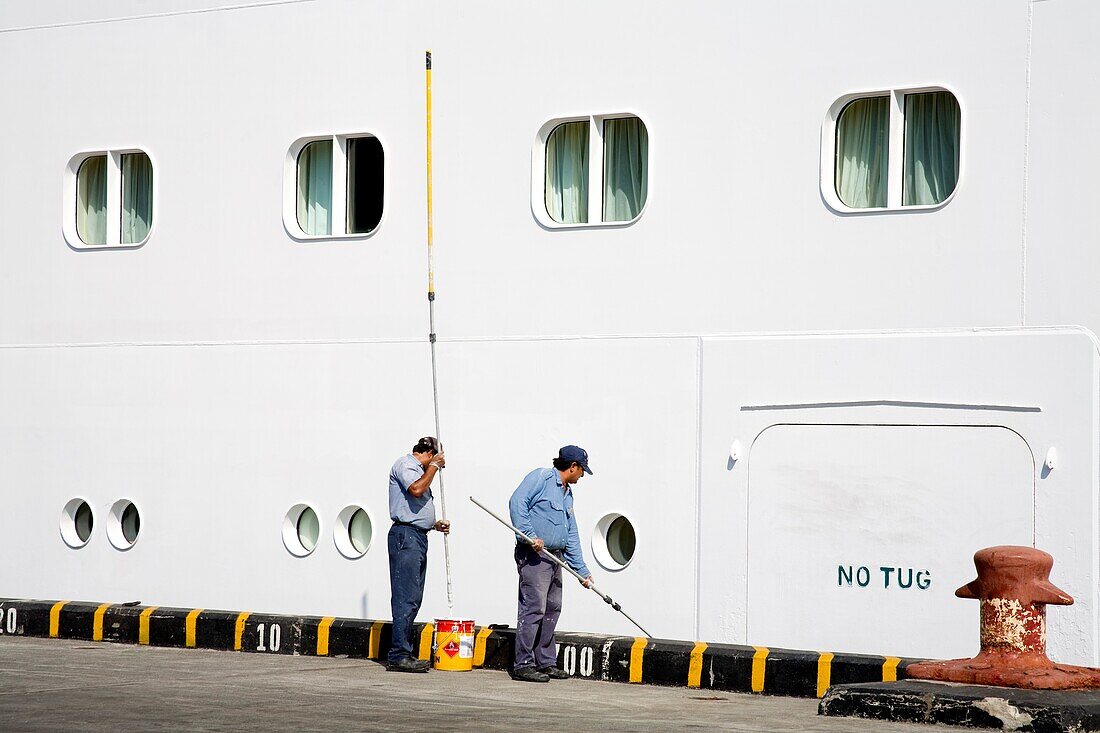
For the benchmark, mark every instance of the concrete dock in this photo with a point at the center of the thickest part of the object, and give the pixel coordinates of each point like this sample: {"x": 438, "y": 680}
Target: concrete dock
{"x": 53, "y": 685}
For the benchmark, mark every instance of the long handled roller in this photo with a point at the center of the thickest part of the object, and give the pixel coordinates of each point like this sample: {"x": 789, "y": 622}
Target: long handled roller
{"x": 606, "y": 598}
{"x": 431, "y": 315}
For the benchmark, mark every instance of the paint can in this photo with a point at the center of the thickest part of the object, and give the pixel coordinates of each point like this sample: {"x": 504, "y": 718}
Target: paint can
{"x": 454, "y": 644}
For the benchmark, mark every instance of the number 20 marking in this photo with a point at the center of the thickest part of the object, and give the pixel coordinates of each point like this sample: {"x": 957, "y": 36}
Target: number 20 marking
{"x": 274, "y": 637}
{"x": 8, "y": 620}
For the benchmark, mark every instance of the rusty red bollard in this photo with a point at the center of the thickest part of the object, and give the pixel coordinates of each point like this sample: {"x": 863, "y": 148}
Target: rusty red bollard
{"x": 1014, "y": 589}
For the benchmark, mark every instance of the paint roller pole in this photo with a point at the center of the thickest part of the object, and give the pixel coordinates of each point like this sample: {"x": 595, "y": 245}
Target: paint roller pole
{"x": 431, "y": 316}
{"x": 591, "y": 586}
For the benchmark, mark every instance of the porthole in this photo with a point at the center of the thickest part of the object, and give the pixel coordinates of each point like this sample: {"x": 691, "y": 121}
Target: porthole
{"x": 353, "y": 532}
{"x": 614, "y": 541}
{"x": 301, "y": 530}
{"x": 77, "y": 522}
{"x": 124, "y": 524}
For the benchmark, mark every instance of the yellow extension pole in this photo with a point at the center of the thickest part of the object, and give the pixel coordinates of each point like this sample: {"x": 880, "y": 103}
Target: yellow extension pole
{"x": 428, "y": 119}
{"x": 431, "y": 312}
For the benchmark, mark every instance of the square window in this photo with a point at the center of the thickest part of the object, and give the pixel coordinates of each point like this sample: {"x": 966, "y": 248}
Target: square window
{"x": 111, "y": 195}
{"x": 593, "y": 164}
{"x": 334, "y": 187}
{"x": 892, "y": 150}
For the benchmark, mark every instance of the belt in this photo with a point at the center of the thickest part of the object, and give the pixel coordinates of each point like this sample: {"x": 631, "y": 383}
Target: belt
{"x": 410, "y": 524}
{"x": 553, "y": 551}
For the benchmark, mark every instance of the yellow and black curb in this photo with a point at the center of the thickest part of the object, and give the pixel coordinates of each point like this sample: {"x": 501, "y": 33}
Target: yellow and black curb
{"x": 724, "y": 667}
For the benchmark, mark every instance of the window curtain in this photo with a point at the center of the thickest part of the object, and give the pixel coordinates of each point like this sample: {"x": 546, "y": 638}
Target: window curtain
{"x": 931, "y": 162}
{"x": 315, "y": 188}
{"x": 91, "y": 200}
{"x": 625, "y": 168}
{"x": 566, "y": 187}
{"x": 863, "y": 138}
{"x": 137, "y": 197}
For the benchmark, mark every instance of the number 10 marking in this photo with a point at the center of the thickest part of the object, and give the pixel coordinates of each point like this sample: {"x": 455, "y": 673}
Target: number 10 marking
{"x": 274, "y": 637}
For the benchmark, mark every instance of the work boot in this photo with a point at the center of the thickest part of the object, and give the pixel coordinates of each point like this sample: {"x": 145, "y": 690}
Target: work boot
{"x": 529, "y": 674}
{"x": 408, "y": 664}
{"x": 554, "y": 673}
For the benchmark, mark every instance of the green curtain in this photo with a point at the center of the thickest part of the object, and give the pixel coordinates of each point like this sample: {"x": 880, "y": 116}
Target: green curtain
{"x": 91, "y": 200}
{"x": 137, "y": 197}
{"x": 931, "y": 162}
{"x": 862, "y": 142}
{"x": 315, "y": 188}
{"x": 625, "y": 168}
{"x": 566, "y": 189}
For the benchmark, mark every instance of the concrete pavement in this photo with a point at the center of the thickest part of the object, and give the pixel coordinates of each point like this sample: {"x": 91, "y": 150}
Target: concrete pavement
{"x": 56, "y": 685}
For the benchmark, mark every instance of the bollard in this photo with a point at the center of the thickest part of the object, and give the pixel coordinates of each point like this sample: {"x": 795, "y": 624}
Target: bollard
{"x": 1014, "y": 590}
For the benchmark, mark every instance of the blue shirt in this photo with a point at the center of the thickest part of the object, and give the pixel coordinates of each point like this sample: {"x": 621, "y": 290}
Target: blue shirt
{"x": 542, "y": 507}
{"x": 404, "y": 507}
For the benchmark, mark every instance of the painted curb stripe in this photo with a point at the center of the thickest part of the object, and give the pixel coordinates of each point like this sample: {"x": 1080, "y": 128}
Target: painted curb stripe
{"x": 622, "y": 659}
{"x": 97, "y": 622}
{"x": 189, "y": 625}
{"x": 479, "y": 646}
{"x": 238, "y": 629}
{"x": 695, "y": 665}
{"x": 637, "y": 651}
{"x": 824, "y": 672}
{"x": 322, "y": 635}
{"x": 758, "y": 668}
{"x": 55, "y": 618}
{"x": 426, "y": 641}
{"x": 373, "y": 649}
{"x": 143, "y": 625}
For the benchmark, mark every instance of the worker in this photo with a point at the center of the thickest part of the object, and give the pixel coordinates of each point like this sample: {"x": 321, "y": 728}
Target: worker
{"x": 542, "y": 508}
{"x": 413, "y": 515}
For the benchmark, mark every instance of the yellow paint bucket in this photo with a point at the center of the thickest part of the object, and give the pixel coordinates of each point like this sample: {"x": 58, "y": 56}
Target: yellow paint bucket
{"x": 454, "y": 645}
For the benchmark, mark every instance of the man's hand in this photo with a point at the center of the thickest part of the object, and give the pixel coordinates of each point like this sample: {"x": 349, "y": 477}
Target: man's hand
{"x": 587, "y": 582}
{"x": 537, "y": 545}
{"x": 443, "y": 526}
{"x": 438, "y": 460}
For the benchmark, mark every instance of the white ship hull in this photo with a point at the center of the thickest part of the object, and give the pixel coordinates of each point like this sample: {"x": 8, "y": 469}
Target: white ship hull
{"x": 811, "y": 418}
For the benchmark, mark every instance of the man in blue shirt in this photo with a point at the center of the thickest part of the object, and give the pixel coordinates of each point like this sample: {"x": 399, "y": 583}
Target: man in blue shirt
{"x": 413, "y": 515}
{"x": 542, "y": 508}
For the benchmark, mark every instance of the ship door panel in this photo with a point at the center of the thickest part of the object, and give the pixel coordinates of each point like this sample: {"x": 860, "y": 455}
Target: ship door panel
{"x": 858, "y": 535}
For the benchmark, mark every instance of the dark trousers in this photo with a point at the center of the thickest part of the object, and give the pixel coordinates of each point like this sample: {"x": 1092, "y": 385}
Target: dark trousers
{"x": 539, "y": 608}
{"x": 408, "y": 564}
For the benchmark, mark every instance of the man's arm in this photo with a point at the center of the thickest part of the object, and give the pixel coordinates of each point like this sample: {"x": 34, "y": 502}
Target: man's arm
{"x": 421, "y": 485}
{"x": 573, "y": 554}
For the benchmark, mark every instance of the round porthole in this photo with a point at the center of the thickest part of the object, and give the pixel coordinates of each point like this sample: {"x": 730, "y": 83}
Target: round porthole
{"x": 353, "y": 532}
{"x": 76, "y": 523}
{"x": 301, "y": 530}
{"x": 614, "y": 541}
{"x": 124, "y": 524}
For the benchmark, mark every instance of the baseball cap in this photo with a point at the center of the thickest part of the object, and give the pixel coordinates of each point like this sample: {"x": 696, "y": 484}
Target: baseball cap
{"x": 428, "y": 443}
{"x": 575, "y": 453}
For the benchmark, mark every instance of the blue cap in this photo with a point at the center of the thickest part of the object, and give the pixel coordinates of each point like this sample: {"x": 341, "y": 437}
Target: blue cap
{"x": 574, "y": 453}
